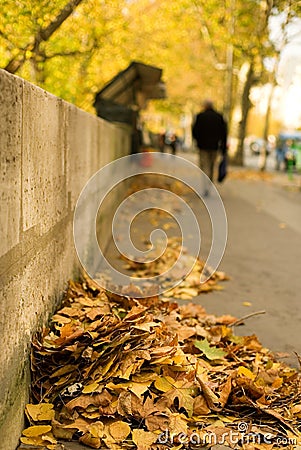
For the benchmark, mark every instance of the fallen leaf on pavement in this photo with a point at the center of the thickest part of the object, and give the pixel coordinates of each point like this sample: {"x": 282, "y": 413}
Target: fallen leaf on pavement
{"x": 119, "y": 379}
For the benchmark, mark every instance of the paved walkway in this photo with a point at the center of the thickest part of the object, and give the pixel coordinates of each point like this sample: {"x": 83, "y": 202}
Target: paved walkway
{"x": 262, "y": 257}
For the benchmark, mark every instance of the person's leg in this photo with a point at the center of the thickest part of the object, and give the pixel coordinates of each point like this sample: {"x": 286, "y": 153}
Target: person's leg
{"x": 212, "y": 162}
{"x": 205, "y": 167}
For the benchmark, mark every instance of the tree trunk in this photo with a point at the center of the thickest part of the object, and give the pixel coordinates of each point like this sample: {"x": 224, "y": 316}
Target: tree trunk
{"x": 241, "y": 111}
{"x": 263, "y": 151}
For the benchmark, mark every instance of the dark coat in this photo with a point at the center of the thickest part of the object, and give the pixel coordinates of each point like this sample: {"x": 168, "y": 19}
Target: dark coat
{"x": 210, "y": 131}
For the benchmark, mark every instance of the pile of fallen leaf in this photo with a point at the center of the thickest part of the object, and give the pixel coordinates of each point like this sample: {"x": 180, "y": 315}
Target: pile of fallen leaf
{"x": 249, "y": 174}
{"x": 191, "y": 285}
{"x": 115, "y": 372}
{"x": 197, "y": 278}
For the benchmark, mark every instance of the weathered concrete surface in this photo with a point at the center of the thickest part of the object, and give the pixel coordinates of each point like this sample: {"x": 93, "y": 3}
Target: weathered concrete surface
{"x": 49, "y": 150}
{"x": 10, "y": 154}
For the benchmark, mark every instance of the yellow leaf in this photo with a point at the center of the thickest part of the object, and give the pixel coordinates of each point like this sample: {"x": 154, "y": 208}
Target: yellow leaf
{"x": 247, "y": 304}
{"x": 163, "y": 360}
{"x": 90, "y": 388}
{"x": 90, "y": 440}
{"x": 33, "y": 441}
{"x": 60, "y": 319}
{"x": 79, "y": 424}
{"x": 245, "y": 372}
{"x": 49, "y": 439}
{"x": 277, "y": 382}
{"x": 107, "y": 367}
{"x": 191, "y": 292}
{"x": 167, "y": 226}
{"x": 96, "y": 429}
{"x": 42, "y": 411}
{"x": 139, "y": 388}
{"x": 119, "y": 430}
{"x": 91, "y": 415}
{"x": 116, "y": 386}
{"x": 143, "y": 439}
{"x": 63, "y": 370}
{"x": 177, "y": 424}
{"x": 163, "y": 384}
{"x": 146, "y": 326}
{"x": 37, "y": 430}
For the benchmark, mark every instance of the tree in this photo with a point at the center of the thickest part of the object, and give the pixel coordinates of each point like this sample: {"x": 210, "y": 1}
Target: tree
{"x": 259, "y": 48}
{"x": 253, "y": 49}
{"x": 290, "y": 11}
{"x": 236, "y": 32}
{"x": 72, "y": 49}
{"x": 42, "y": 34}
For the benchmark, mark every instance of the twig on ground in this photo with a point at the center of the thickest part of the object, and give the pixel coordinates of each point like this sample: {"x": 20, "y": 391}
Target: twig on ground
{"x": 242, "y": 319}
{"x": 299, "y": 359}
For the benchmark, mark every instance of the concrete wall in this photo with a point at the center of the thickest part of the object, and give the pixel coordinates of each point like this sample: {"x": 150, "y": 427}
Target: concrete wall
{"x": 49, "y": 149}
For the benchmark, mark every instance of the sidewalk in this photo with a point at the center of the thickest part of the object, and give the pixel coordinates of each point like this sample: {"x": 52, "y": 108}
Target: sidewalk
{"x": 262, "y": 259}
{"x": 262, "y": 256}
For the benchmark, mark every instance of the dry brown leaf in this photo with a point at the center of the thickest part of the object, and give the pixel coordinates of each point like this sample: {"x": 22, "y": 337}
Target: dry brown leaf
{"x": 200, "y": 406}
{"x": 61, "y": 432}
{"x": 211, "y": 399}
{"x": 96, "y": 429}
{"x": 157, "y": 421}
{"x": 143, "y": 439}
{"x": 225, "y": 391}
{"x": 83, "y": 401}
{"x": 79, "y": 424}
{"x": 119, "y": 430}
{"x": 177, "y": 424}
{"x": 90, "y": 441}
{"x": 136, "y": 364}
{"x": 124, "y": 406}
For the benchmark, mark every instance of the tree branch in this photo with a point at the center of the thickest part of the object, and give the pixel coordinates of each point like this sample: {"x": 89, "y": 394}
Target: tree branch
{"x": 73, "y": 53}
{"x": 47, "y": 32}
{"x": 208, "y": 39}
{"x": 43, "y": 35}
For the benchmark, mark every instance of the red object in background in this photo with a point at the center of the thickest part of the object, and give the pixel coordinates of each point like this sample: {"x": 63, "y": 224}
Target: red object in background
{"x": 146, "y": 159}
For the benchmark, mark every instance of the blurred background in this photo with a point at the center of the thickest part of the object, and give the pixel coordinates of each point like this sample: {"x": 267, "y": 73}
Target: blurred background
{"x": 245, "y": 55}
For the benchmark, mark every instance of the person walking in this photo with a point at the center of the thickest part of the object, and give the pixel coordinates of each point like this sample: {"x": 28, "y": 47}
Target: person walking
{"x": 210, "y": 132}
